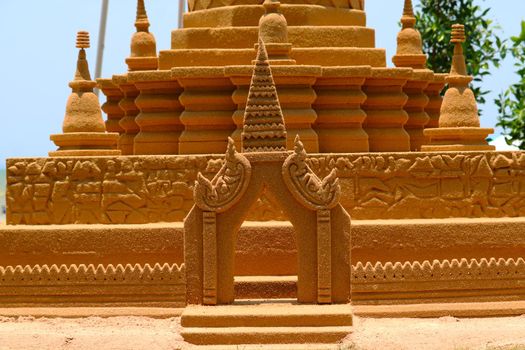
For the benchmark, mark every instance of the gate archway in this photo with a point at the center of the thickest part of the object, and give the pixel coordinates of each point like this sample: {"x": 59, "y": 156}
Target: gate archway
{"x": 321, "y": 224}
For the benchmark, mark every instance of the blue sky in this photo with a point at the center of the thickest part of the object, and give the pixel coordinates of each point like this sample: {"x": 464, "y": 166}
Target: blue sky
{"x": 38, "y": 56}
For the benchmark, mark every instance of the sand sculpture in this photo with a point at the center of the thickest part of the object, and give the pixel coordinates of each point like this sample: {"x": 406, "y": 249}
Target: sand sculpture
{"x": 316, "y": 129}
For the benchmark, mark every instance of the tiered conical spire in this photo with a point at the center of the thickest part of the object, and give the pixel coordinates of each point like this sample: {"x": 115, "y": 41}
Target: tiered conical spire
{"x": 142, "y": 21}
{"x": 263, "y": 129}
{"x": 408, "y": 13}
{"x": 459, "y": 66}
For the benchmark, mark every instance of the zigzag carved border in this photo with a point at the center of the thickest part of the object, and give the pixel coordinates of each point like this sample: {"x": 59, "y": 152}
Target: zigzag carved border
{"x": 444, "y": 270}
{"x": 169, "y": 274}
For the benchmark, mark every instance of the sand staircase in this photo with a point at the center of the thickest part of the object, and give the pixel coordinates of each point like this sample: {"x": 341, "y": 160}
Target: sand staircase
{"x": 266, "y": 322}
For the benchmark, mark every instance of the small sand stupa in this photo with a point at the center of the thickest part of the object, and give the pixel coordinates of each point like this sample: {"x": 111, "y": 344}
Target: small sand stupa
{"x": 459, "y": 126}
{"x": 264, "y": 128}
{"x": 84, "y": 131}
{"x": 143, "y": 43}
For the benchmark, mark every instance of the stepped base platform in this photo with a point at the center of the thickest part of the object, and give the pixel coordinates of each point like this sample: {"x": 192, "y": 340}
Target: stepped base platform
{"x": 266, "y": 322}
{"x": 430, "y": 310}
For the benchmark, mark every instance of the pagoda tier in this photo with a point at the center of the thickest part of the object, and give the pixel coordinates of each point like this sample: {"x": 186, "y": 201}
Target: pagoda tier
{"x": 333, "y": 34}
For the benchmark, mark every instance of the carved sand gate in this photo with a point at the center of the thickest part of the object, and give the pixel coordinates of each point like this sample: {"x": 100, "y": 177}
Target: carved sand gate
{"x": 321, "y": 224}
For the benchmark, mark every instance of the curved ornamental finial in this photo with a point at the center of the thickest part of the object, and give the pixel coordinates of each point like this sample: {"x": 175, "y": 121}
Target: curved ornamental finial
{"x": 227, "y": 187}
{"x": 305, "y": 185}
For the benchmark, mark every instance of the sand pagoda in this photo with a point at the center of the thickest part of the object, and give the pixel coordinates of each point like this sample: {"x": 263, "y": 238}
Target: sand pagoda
{"x": 245, "y": 148}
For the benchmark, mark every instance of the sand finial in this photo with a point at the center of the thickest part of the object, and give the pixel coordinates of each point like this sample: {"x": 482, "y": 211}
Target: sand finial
{"x": 409, "y": 42}
{"x": 142, "y": 21}
{"x": 82, "y": 72}
{"x": 83, "y": 40}
{"x": 408, "y": 10}
{"x": 458, "y": 37}
{"x": 263, "y": 126}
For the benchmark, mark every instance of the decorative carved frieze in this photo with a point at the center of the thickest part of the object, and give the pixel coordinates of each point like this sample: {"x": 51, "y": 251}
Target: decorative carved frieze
{"x": 146, "y": 189}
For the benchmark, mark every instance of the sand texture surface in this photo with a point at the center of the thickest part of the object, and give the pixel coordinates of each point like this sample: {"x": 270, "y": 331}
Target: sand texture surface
{"x": 95, "y": 333}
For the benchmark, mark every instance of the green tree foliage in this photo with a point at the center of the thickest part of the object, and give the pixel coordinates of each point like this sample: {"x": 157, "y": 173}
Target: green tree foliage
{"x": 484, "y": 48}
{"x": 511, "y": 103}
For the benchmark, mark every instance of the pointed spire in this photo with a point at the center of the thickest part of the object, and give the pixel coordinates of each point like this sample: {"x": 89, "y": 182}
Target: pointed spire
{"x": 459, "y": 66}
{"x": 408, "y": 10}
{"x": 82, "y": 72}
{"x": 264, "y": 129}
{"x": 142, "y": 21}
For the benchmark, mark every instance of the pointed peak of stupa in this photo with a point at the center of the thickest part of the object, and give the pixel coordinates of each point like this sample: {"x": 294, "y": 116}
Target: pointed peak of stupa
{"x": 263, "y": 126}
{"x": 458, "y": 37}
{"x": 408, "y": 14}
{"x": 82, "y": 71}
{"x": 262, "y": 53}
{"x": 142, "y": 21}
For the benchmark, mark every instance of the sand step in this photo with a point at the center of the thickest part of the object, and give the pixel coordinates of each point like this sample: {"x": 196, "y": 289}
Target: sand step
{"x": 259, "y": 322}
{"x": 265, "y": 335}
{"x": 265, "y": 287}
{"x": 273, "y": 347}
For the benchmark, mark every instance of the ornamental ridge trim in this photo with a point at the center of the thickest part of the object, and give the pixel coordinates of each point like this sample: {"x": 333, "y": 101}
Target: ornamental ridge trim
{"x": 90, "y": 273}
{"x": 305, "y": 185}
{"x": 228, "y": 186}
{"x": 444, "y": 270}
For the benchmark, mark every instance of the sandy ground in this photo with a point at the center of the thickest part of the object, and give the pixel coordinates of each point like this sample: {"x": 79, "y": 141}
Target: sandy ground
{"x": 97, "y": 333}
